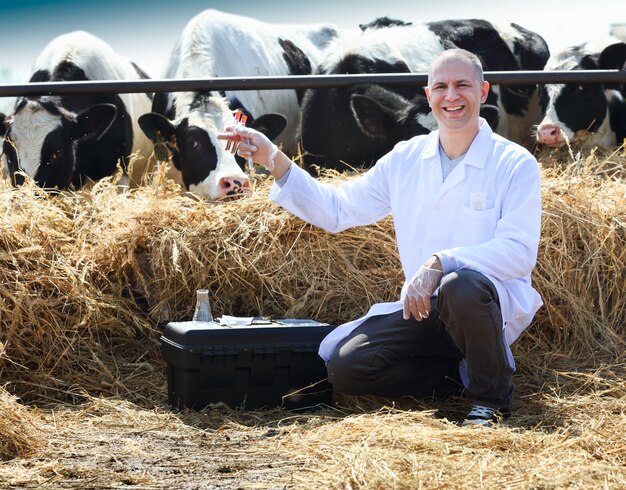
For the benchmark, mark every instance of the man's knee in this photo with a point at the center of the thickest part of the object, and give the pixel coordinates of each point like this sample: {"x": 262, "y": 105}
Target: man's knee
{"x": 350, "y": 368}
{"x": 464, "y": 288}
{"x": 339, "y": 373}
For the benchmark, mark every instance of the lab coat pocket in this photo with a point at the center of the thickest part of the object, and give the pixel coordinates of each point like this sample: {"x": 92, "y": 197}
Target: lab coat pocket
{"x": 475, "y": 226}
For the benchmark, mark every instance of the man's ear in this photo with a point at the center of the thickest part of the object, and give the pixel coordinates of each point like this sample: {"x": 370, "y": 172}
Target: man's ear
{"x": 484, "y": 90}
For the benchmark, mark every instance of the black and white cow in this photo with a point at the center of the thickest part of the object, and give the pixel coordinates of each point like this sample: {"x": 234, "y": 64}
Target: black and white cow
{"x": 354, "y": 126}
{"x": 64, "y": 141}
{"x": 588, "y": 114}
{"x": 218, "y": 44}
{"x": 382, "y": 22}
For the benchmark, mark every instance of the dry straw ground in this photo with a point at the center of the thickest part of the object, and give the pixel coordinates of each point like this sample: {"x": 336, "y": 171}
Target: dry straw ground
{"x": 87, "y": 281}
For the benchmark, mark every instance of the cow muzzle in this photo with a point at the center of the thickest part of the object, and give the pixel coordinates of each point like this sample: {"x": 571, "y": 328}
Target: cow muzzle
{"x": 233, "y": 186}
{"x": 550, "y": 135}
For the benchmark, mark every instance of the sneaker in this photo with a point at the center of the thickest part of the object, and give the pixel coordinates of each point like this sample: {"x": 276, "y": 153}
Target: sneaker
{"x": 485, "y": 416}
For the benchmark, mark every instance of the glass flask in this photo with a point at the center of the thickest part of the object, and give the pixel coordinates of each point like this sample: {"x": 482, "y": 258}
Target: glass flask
{"x": 203, "y": 309}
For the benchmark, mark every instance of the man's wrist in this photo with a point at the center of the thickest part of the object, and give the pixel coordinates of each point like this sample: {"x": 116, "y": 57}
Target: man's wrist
{"x": 434, "y": 263}
{"x": 282, "y": 165}
{"x": 283, "y": 178}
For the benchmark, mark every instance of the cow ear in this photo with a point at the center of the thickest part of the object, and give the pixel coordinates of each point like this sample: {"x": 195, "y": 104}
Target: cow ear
{"x": 373, "y": 118}
{"x": 93, "y": 122}
{"x": 4, "y": 124}
{"x": 491, "y": 114}
{"x": 157, "y": 127}
{"x": 271, "y": 125}
{"x": 613, "y": 57}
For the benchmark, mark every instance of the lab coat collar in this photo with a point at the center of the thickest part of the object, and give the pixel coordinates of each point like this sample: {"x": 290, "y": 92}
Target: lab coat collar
{"x": 481, "y": 146}
{"x": 476, "y": 154}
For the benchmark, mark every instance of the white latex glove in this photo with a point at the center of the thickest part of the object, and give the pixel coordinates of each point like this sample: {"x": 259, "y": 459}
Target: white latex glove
{"x": 421, "y": 288}
{"x": 253, "y": 144}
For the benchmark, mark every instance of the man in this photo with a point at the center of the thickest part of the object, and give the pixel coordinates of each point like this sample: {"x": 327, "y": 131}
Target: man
{"x": 466, "y": 205}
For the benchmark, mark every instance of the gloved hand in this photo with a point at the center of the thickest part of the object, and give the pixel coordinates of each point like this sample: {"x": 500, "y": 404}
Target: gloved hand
{"x": 421, "y": 288}
{"x": 252, "y": 144}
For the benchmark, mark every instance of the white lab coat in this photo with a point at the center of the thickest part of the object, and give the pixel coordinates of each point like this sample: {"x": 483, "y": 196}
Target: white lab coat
{"x": 486, "y": 216}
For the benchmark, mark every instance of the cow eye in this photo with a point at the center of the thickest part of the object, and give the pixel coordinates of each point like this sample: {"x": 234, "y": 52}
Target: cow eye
{"x": 8, "y": 154}
{"x": 194, "y": 144}
{"x": 54, "y": 157}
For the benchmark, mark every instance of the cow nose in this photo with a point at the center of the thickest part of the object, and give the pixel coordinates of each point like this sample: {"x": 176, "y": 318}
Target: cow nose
{"x": 234, "y": 185}
{"x": 549, "y": 135}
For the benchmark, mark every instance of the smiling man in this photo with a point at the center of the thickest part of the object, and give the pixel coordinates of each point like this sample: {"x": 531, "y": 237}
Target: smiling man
{"x": 466, "y": 205}
{"x": 455, "y": 92}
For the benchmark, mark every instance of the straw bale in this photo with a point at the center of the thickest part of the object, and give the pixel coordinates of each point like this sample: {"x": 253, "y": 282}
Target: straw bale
{"x": 581, "y": 270}
{"x": 88, "y": 279}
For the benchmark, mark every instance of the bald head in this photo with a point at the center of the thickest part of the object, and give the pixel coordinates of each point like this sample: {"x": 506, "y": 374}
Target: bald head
{"x": 457, "y": 55}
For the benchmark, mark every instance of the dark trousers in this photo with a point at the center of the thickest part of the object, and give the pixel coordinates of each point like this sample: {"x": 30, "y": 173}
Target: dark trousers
{"x": 390, "y": 356}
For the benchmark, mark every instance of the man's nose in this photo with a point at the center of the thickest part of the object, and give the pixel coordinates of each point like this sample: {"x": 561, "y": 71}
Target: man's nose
{"x": 451, "y": 92}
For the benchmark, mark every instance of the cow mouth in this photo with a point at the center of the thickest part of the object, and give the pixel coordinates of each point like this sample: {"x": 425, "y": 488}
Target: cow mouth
{"x": 237, "y": 193}
{"x": 558, "y": 144}
{"x": 579, "y": 138}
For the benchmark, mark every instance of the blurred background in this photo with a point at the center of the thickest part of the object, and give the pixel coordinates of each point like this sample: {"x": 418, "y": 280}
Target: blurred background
{"x": 145, "y": 30}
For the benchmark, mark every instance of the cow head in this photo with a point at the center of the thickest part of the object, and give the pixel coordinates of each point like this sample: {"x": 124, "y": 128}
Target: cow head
{"x": 380, "y": 117}
{"x": 377, "y": 119}
{"x": 385, "y": 116}
{"x": 41, "y": 140}
{"x": 583, "y": 112}
{"x": 207, "y": 169}
{"x": 353, "y": 127}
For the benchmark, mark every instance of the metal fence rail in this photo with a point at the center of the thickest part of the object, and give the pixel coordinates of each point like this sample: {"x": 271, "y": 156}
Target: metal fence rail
{"x": 298, "y": 82}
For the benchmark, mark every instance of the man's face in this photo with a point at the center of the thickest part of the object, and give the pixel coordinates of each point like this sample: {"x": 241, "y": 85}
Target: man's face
{"x": 455, "y": 93}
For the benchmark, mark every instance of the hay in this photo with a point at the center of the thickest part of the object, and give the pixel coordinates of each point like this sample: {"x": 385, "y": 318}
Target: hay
{"x": 409, "y": 448}
{"x": 567, "y": 435}
{"x": 581, "y": 272}
{"x": 18, "y": 427}
{"x": 88, "y": 279}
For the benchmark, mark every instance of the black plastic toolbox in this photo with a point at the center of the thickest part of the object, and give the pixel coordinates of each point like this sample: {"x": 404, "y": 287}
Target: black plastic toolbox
{"x": 251, "y": 366}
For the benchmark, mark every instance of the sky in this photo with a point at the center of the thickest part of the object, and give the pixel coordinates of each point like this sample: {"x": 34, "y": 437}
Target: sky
{"x": 145, "y": 30}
